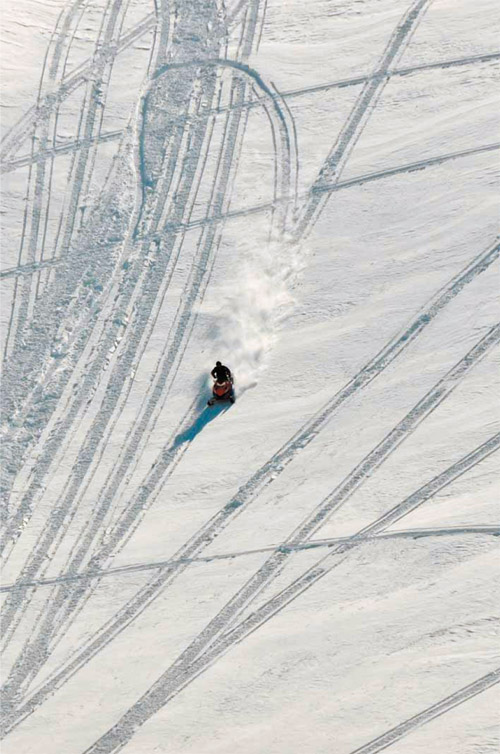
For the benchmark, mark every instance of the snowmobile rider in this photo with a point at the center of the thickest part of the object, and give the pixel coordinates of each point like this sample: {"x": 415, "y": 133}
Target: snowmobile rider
{"x": 220, "y": 373}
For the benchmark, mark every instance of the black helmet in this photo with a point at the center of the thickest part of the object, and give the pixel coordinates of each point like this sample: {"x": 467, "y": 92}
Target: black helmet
{"x": 218, "y": 364}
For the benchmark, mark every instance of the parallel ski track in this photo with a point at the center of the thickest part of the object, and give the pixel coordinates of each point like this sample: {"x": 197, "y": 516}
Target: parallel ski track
{"x": 428, "y": 714}
{"x": 217, "y": 629}
{"x": 356, "y": 122}
{"x": 215, "y": 641}
{"x": 83, "y": 548}
{"x": 421, "y": 533}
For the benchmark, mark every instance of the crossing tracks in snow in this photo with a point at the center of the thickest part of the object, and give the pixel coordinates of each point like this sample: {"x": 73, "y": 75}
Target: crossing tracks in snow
{"x": 215, "y": 640}
{"x": 186, "y": 138}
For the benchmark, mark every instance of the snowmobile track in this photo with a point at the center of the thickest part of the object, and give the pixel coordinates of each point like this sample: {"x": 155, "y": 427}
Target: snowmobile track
{"x": 439, "y": 708}
{"x": 8, "y": 165}
{"x": 50, "y": 70}
{"x": 190, "y": 664}
{"x": 101, "y": 69}
{"x": 218, "y": 629}
{"x": 164, "y": 398}
{"x": 156, "y": 469}
{"x": 364, "y": 106}
{"x": 357, "y": 180}
{"x": 422, "y": 533}
{"x": 248, "y": 72}
{"x": 31, "y": 365}
{"x": 124, "y": 367}
{"x": 13, "y": 140}
{"x": 106, "y": 343}
{"x": 127, "y": 516}
{"x": 269, "y": 471}
{"x": 95, "y": 525}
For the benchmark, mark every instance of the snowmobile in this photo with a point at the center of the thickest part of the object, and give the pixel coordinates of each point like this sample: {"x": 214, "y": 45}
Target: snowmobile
{"x": 222, "y": 391}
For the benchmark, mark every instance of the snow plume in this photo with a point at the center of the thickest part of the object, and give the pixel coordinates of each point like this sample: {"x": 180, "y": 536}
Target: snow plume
{"x": 254, "y": 302}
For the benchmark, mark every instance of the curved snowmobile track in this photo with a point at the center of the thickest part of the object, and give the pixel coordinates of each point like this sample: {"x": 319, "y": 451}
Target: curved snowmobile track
{"x": 133, "y": 351}
{"x": 158, "y": 270}
{"x": 53, "y": 528}
{"x": 14, "y": 164}
{"x": 114, "y": 296}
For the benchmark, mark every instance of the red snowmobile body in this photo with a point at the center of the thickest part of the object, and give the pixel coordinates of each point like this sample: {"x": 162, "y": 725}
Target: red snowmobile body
{"x": 222, "y": 391}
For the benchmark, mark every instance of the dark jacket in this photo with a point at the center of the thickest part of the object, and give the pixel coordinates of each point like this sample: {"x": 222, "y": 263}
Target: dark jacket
{"x": 222, "y": 373}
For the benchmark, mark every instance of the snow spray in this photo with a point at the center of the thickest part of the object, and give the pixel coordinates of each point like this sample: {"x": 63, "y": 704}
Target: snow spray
{"x": 254, "y": 303}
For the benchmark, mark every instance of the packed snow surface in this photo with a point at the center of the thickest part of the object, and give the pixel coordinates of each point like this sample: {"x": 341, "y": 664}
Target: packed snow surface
{"x": 308, "y": 192}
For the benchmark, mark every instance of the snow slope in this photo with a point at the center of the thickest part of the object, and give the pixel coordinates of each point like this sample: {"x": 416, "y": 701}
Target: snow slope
{"x": 308, "y": 192}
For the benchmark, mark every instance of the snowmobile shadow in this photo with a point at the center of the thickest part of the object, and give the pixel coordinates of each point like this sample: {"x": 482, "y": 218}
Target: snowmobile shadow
{"x": 207, "y": 415}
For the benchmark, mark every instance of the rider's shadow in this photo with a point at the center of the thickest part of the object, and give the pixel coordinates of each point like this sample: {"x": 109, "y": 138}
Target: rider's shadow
{"x": 207, "y": 415}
